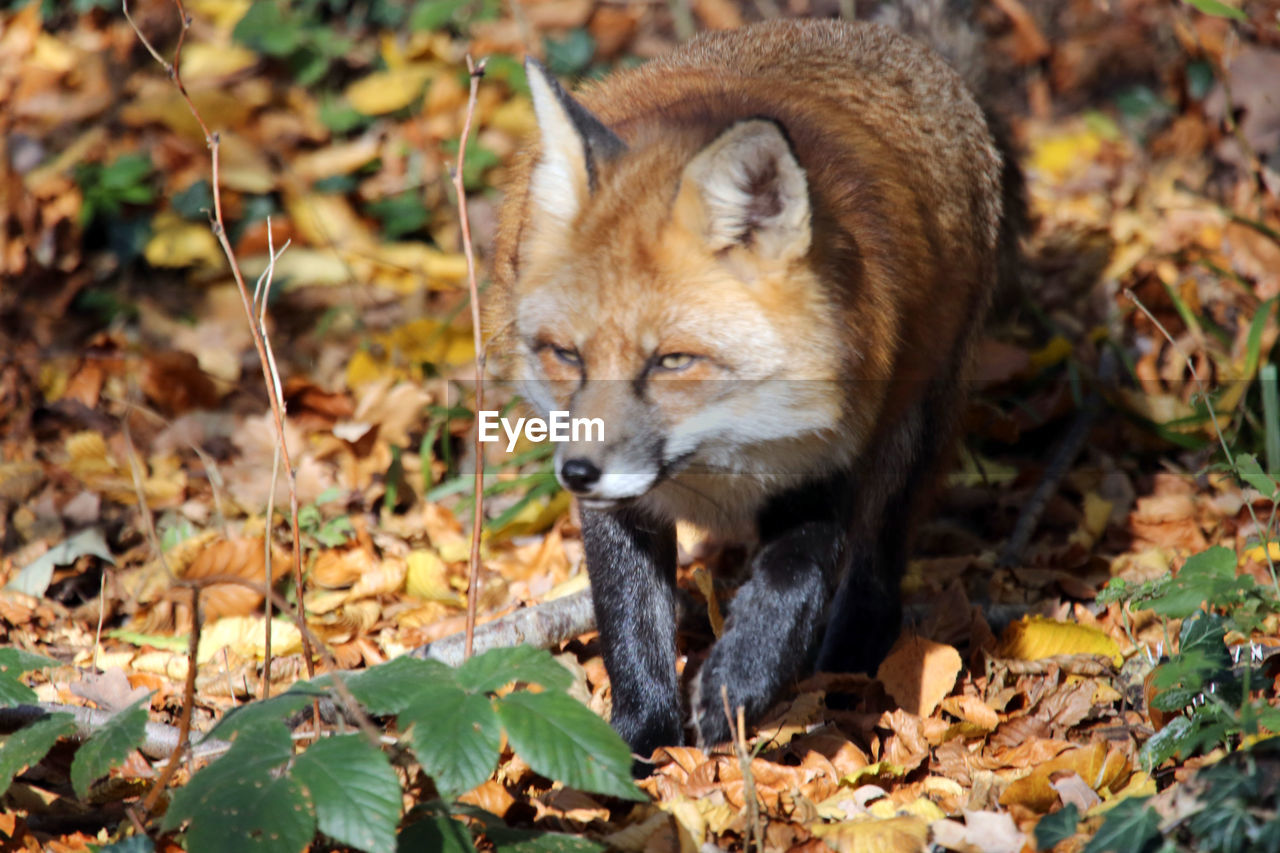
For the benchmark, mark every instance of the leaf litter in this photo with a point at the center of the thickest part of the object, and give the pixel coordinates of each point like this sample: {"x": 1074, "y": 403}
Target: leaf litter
{"x": 134, "y": 450}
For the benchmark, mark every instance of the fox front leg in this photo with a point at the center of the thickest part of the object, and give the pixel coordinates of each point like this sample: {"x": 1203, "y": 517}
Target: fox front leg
{"x": 631, "y": 560}
{"x": 776, "y": 622}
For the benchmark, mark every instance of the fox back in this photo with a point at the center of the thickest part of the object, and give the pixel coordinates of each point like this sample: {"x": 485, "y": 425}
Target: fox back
{"x": 762, "y": 261}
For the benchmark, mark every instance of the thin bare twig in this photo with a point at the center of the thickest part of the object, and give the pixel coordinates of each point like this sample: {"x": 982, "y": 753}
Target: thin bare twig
{"x": 257, "y": 329}
{"x": 473, "y": 582}
{"x": 738, "y": 737}
{"x": 188, "y": 703}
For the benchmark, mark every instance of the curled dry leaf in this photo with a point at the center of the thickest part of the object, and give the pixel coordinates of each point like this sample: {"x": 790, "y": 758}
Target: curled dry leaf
{"x": 1101, "y": 767}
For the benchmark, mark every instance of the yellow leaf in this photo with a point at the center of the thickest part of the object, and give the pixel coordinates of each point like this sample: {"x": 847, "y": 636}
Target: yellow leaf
{"x": 428, "y": 578}
{"x": 906, "y": 834}
{"x": 302, "y": 266}
{"x": 1035, "y": 637}
{"x": 535, "y": 517}
{"x": 515, "y": 117}
{"x": 1257, "y": 555}
{"x": 243, "y": 166}
{"x": 338, "y": 159}
{"x": 1051, "y": 353}
{"x": 203, "y": 60}
{"x": 176, "y": 243}
{"x": 225, "y": 14}
{"x": 246, "y": 636}
{"x": 326, "y": 219}
{"x": 387, "y": 91}
{"x": 408, "y": 267}
{"x": 879, "y": 770}
{"x": 1099, "y": 767}
{"x": 52, "y": 55}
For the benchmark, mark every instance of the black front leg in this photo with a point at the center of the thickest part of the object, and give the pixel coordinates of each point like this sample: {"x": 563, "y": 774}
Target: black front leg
{"x": 631, "y": 560}
{"x": 777, "y": 617}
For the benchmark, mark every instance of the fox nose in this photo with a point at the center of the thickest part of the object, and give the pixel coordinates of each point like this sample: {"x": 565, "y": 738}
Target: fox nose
{"x": 579, "y": 474}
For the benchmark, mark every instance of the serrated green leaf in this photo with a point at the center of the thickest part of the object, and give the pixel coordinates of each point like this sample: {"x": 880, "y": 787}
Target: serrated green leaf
{"x": 354, "y": 790}
{"x": 1205, "y": 577}
{"x": 1218, "y": 9}
{"x": 239, "y": 803}
{"x": 1131, "y": 827}
{"x": 109, "y": 746}
{"x": 1056, "y": 827}
{"x": 1251, "y": 472}
{"x": 1165, "y": 743}
{"x": 273, "y": 711}
{"x": 389, "y": 687}
{"x": 455, "y": 735}
{"x": 434, "y": 14}
{"x": 496, "y": 668}
{"x": 562, "y": 739}
{"x": 29, "y": 744}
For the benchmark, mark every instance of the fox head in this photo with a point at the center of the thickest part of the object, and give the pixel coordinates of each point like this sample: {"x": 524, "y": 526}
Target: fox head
{"x": 665, "y": 285}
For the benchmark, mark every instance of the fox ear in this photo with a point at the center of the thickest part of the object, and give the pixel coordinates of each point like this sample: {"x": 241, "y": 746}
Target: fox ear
{"x": 572, "y": 140}
{"x": 746, "y": 189}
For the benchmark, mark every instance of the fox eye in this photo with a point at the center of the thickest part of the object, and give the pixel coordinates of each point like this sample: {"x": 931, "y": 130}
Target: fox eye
{"x": 676, "y": 360}
{"x": 568, "y": 356}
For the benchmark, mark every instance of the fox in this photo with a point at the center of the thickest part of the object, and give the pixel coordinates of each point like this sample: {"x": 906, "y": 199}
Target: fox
{"x": 762, "y": 260}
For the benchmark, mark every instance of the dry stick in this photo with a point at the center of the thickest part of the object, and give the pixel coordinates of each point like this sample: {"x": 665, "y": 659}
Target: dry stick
{"x": 473, "y": 580}
{"x": 1213, "y": 418}
{"x": 270, "y": 377}
{"x": 188, "y": 702}
{"x": 738, "y": 737}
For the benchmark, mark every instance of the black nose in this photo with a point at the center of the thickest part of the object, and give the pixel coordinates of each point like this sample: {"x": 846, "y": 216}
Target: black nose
{"x": 579, "y": 474}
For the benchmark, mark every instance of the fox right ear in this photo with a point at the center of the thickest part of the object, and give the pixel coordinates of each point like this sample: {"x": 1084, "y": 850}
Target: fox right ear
{"x": 572, "y": 141}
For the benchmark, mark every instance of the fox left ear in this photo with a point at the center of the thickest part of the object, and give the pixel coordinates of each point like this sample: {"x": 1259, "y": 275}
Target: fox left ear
{"x": 573, "y": 142}
{"x": 747, "y": 189}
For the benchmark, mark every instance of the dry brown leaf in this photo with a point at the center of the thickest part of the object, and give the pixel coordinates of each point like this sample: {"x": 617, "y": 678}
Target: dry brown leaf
{"x": 918, "y": 672}
{"x": 491, "y": 796}
{"x": 973, "y": 710}
{"x": 337, "y": 568}
{"x": 243, "y": 558}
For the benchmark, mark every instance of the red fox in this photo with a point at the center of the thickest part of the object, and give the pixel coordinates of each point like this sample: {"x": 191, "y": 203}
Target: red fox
{"x": 762, "y": 261}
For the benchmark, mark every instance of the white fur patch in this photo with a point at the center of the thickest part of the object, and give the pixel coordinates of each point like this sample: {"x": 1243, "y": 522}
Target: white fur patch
{"x": 560, "y": 176}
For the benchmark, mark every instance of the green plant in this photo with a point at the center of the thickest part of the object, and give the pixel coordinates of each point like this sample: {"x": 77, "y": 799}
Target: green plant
{"x": 107, "y": 187}
{"x": 263, "y": 795}
{"x": 331, "y": 532}
{"x": 307, "y": 43}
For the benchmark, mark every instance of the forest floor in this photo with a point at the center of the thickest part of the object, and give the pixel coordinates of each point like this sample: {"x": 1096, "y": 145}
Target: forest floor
{"x": 1126, "y": 395}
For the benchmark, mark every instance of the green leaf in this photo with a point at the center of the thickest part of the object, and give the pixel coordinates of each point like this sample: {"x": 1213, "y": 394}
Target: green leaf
{"x": 497, "y": 668}
{"x": 239, "y": 803}
{"x": 1251, "y": 472}
{"x": 389, "y": 687}
{"x": 1203, "y": 578}
{"x": 265, "y": 712}
{"x": 194, "y": 203}
{"x": 434, "y": 14}
{"x": 400, "y": 214}
{"x": 1131, "y": 827}
{"x": 438, "y": 833}
{"x": 29, "y": 744}
{"x": 562, "y": 739}
{"x": 13, "y": 663}
{"x": 1165, "y": 743}
{"x": 109, "y": 746}
{"x": 1218, "y": 8}
{"x": 572, "y": 54}
{"x": 1056, "y": 827}
{"x": 455, "y": 735}
{"x": 354, "y": 790}
{"x": 265, "y": 28}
